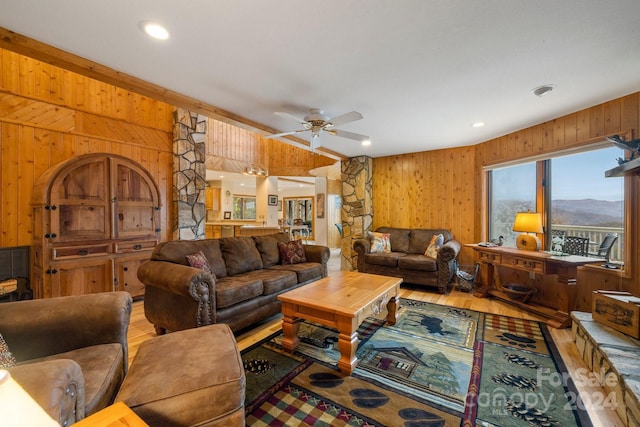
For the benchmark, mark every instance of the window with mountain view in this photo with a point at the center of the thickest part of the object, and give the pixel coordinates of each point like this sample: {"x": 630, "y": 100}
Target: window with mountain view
{"x": 581, "y": 201}
{"x": 586, "y": 204}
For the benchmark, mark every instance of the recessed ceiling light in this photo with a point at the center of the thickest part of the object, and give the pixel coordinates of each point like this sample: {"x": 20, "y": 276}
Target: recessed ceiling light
{"x": 154, "y": 30}
{"x": 542, "y": 90}
{"x": 478, "y": 124}
{"x": 366, "y": 142}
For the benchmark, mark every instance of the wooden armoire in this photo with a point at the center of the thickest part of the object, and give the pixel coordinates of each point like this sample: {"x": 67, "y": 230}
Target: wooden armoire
{"x": 96, "y": 219}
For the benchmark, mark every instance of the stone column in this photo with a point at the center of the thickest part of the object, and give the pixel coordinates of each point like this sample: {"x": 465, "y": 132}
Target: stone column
{"x": 189, "y": 174}
{"x": 357, "y": 205}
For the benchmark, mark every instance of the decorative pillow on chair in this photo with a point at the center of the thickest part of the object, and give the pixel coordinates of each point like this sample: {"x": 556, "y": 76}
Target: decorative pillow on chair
{"x": 6, "y": 357}
{"x": 436, "y": 241}
{"x": 199, "y": 260}
{"x": 380, "y": 242}
{"x": 292, "y": 252}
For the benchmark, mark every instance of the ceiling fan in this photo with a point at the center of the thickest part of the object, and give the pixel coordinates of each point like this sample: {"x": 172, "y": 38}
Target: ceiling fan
{"x": 317, "y": 122}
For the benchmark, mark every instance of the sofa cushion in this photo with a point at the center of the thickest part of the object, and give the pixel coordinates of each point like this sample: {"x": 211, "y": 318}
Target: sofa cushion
{"x": 436, "y": 242}
{"x": 292, "y": 252}
{"x": 103, "y": 371}
{"x": 240, "y": 255}
{"x": 268, "y": 248}
{"x": 232, "y": 290}
{"x": 399, "y": 238}
{"x": 387, "y": 260}
{"x": 417, "y": 262}
{"x": 420, "y": 237}
{"x": 380, "y": 242}
{"x": 176, "y": 251}
{"x": 274, "y": 281}
{"x": 305, "y": 271}
{"x": 199, "y": 260}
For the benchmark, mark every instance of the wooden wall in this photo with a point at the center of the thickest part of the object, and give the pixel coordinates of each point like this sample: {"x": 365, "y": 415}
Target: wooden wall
{"x": 445, "y": 188}
{"x": 48, "y": 115}
{"x": 231, "y": 148}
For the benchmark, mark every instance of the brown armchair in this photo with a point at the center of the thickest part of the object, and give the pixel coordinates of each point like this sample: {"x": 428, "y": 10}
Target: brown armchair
{"x": 71, "y": 352}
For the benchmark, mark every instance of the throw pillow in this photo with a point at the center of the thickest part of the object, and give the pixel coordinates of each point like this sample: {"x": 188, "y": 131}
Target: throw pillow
{"x": 6, "y": 357}
{"x": 292, "y": 252}
{"x": 199, "y": 260}
{"x": 380, "y": 242}
{"x": 436, "y": 241}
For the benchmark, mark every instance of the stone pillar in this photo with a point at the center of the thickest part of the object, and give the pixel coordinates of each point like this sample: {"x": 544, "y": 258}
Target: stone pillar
{"x": 357, "y": 205}
{"x": 189, "y": 175}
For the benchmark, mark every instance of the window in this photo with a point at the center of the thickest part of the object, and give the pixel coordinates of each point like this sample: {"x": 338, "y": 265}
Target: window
{"x": 579, "y": 200}
{"x": 513, "y": 189}
{"x": 244, "y": 207}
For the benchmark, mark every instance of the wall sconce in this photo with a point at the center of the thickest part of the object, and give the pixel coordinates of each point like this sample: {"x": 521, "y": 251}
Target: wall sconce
{"x": 256, "y": 170}
{"x": 528, "y": 222}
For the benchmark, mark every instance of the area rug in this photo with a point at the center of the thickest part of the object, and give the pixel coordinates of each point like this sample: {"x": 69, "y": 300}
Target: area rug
{"x": 437, "y": 366}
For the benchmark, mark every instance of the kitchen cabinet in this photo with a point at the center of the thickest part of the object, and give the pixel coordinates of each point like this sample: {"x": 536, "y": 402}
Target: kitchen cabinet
{"x": 96, "y": 219}
{"x": 212, "y": 199}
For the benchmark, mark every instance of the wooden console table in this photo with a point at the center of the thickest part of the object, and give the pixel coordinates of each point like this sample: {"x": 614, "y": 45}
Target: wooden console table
{"x": 565, "y": 267}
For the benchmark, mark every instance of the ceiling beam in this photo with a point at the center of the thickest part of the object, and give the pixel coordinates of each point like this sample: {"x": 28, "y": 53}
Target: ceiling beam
{"x": 26, "y": 46}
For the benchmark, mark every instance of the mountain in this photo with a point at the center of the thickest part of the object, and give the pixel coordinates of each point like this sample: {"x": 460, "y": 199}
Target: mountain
{"x": 590, "y": 212}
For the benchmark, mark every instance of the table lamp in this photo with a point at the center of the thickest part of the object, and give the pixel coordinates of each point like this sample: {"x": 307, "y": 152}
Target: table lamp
{"x": 528, "y": 222}
{"x": 17, "y": 408}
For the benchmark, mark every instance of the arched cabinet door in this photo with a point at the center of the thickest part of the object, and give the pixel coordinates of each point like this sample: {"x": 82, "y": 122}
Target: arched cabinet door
{"x": 79, "y": 202}
{"x": 135, "y": 202}
{"x": 96, "y": 218}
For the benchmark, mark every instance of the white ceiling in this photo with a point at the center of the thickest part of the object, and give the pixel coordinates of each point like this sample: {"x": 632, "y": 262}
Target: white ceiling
{"x": 420, "y": 71}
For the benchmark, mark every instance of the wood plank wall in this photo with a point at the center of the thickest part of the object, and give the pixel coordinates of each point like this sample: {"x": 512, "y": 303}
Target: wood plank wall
{"x": 48, "y": 115}
{"x": 231, "y": 148}
{"x": 445, "y": 188}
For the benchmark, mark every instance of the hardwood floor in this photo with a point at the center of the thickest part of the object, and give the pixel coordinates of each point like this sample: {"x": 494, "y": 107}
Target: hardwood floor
{"x": 140, "y": 330}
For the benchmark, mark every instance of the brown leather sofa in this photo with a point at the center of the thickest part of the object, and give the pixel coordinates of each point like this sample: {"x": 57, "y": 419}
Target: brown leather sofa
{"x": 248, "y": 275}
{"x": 71, "y": 352}
{"x": 407, "y": 259}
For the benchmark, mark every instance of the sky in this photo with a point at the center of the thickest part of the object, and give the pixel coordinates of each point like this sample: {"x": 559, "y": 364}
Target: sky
{"x": 574, "y": 177}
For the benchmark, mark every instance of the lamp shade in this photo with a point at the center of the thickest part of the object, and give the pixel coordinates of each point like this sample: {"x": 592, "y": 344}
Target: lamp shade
{"x": 528, "y": 222}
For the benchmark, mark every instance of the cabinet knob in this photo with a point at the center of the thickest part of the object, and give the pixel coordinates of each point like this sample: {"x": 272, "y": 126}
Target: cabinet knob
{"x": 126, "y": 269}
{"x": 137, "y": 247}
{"x": 83, "y": 252}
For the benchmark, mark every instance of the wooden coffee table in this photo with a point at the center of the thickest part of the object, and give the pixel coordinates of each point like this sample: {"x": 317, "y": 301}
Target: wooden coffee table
{"x": 342, "y": 301}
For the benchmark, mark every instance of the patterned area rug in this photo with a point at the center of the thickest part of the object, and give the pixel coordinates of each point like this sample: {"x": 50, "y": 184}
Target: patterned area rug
{"x": 438, "y": 366}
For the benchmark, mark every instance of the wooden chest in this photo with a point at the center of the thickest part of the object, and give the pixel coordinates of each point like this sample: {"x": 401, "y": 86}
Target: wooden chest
{"x": 618, "y": 310}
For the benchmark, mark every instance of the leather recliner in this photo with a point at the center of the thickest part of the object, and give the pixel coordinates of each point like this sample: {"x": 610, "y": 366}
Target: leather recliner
{"x": 71, "y": 352}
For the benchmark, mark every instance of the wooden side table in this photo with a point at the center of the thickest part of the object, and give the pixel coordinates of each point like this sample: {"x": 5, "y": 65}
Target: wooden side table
{"x": 115, "y": 415}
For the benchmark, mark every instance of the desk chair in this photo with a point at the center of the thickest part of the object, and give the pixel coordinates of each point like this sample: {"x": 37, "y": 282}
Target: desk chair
{"x": 604, "y": 250}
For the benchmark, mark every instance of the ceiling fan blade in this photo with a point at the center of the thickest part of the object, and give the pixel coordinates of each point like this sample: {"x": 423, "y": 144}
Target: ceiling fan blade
{"x": 345, "y": 118}
{"x": 349, "y": 135}
{"x": 276, "y": 135}
{"x": 288, "y": 116}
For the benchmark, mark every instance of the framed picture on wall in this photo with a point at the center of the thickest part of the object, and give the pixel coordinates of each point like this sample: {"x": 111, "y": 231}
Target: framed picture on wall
{"x": 227, "y": 214}
{"x": 320, "y": 205}
{"x": 273, "y": 200}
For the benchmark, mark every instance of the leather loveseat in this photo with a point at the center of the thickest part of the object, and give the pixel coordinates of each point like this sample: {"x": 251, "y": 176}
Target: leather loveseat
{"x": 71, "y": 352}
{"x": 407, "y": 258}
{"x": 247, "y": 277}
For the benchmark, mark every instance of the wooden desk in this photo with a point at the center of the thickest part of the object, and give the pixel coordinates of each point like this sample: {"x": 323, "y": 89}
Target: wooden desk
{"x": 565, "y": 267}
{"x": 115, "y": 415}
